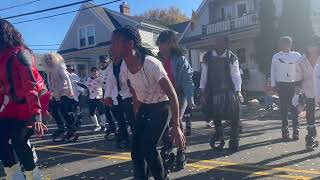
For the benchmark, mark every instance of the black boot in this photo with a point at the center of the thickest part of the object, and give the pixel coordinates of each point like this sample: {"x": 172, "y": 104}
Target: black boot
{"x": 285, "y": 134}
{"x": 311, "y": 141}
{"x": 181, "y": 159}
{"x": 234, "y": 145}
{"x": 168, "y": 158}
{"x": 295, "y": 135}
{"x": 217, "y": 141}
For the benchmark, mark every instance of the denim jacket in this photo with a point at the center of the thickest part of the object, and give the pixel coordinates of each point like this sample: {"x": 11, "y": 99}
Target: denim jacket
{"x": 183, "y": 73}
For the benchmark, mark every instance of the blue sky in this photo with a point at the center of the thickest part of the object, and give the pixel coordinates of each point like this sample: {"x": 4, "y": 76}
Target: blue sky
{"x": 53, "y": 30}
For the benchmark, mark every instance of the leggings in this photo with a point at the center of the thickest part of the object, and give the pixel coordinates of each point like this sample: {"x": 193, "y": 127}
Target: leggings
{"x": 183, "y": 110}
{"x": 96, "y": 104}
{"x": 148, "y": 129}
{"x": 124, "y": 113}
{"x": 66, "y": 107}
{"x": 19, "y": 134}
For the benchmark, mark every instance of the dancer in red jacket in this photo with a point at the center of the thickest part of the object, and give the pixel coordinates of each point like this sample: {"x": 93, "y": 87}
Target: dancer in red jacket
{"x": 21, "y": 89}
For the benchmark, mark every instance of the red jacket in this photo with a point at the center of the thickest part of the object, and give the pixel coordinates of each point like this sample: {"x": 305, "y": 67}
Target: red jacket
{"x": 21, "y": 81}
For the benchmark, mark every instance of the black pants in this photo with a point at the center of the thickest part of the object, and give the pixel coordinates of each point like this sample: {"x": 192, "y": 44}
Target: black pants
{"x": 124, "y": 114}
{"x": 66, "y": 107}
{"x": 55, "y": 112}
{"x": 234, "y": 119}
{"x": 310, "y": 115}
{"x": 148, "y": 129}
{"x": 96, "y": 104}
{"x": 112, "y": 124}
{"x": 286, "y": 93}
{"x": 19, "y": 134}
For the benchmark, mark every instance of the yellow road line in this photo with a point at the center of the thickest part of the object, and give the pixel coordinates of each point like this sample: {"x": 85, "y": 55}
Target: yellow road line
{"x": 191, "y": 165}
{"x": 258, "y": 173}
{"x": 202, "y": 161}
{"x": 77, "y": 149}
{"x": 95, "y": 155}
{"x": 261, "y": 167}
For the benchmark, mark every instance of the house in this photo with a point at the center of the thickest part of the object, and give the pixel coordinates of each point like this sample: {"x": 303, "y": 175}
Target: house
{"x": 89, "y": 35}
{"x": 237, "y": 19}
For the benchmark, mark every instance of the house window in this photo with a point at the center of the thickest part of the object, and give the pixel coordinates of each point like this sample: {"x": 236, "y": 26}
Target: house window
{"x": 87, "y": 36}
{"x": 82, "y": 36}
{"x": 256, "y": 5}
{"x": 226, "y": 12}
{"x": 242, "y": 9}
{"x": 90, "y": 33}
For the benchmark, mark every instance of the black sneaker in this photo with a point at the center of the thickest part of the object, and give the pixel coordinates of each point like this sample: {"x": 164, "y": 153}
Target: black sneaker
{"x": 123, "y": 144}
{"x": 110, "y": 134}
{"x": 71, "y": 136}
{"x": 295, "y": 135}
{"x": 181, "y": 160}
{"x": 58, "y": 135}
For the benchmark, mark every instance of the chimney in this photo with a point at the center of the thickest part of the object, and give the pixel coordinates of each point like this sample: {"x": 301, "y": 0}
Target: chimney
{"x": 125, "y": 9}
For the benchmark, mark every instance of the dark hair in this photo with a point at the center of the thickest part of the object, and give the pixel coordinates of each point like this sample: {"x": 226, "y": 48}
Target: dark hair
{"x": 170, "y": 37}
{"x": 9, "y": 36}
{"x": 93, "y": 69}
{"x": 315, "y": 41}
{"x": 129, "y": 33}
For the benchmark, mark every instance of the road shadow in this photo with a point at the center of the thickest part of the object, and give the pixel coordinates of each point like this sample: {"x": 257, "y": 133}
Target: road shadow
{"x": 117, "y": 171}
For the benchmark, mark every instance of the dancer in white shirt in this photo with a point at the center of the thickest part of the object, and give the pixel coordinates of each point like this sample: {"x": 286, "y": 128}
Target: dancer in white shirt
{"x": 283, "y": 80}
{"x": 104, "y": 63}
{"x": 94, "y": 84}
{"x": 154, "y": 90}
{"x": 305, "y": 75}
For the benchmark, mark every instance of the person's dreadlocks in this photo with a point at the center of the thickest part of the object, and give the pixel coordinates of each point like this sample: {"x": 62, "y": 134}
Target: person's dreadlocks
{"x": 131, "y": 34}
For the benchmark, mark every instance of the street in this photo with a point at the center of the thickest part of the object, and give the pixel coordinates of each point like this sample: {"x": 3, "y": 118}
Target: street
{"x": 262, "y": 155}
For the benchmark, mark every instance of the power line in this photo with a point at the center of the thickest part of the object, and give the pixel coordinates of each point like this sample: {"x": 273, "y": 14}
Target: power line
{"x": 44, "y": 49}
{"x": 42, "y": 45}
{"x": 45, "y": 10}
{"x": 7, "y": 8}
{"x": 46, "y": 17}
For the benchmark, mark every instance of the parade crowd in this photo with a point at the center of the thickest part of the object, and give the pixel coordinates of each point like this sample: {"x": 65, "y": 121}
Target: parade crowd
{"x": 140, "y": 99}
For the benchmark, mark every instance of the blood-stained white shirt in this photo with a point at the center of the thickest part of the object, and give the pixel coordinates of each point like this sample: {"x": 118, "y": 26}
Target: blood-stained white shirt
{"x": 146, "y": 81}
{"x": 95, "y": 88}
{"x": 283, "y": 67}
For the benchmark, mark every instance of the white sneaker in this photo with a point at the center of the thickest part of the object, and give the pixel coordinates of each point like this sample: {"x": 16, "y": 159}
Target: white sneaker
{"x": 98, "y": 128}
{"x": 14, "y": 173}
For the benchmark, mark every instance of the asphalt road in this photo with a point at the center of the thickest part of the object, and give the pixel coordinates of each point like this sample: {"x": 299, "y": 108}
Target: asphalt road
{"x": 262, "y": 155}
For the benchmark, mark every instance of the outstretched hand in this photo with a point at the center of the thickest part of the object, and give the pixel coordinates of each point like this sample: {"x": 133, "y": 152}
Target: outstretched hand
{"x": 178, "y": 137}
{"x": 39, "y": 128}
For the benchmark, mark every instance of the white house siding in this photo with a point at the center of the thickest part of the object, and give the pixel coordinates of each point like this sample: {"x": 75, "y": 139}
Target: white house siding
{"x": 202, "y": 19}
{"x": 147, "y": 37}
{"x": 85, "y": 18}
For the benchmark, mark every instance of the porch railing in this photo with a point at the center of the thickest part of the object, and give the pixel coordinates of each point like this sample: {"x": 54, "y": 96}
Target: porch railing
{"x": 228, "y": 25}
